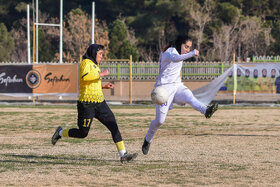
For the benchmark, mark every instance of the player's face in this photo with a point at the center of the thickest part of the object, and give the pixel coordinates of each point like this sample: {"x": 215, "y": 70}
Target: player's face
{"x": 238, "y": 72}
{"x": 99, "y": 56}
{"x": 230, "y": 74}
{"x": 256, "y": 73}
{"x": 264, "y": 72}
{"x": 247, "y": 73}
{"x": 186, "y": 47}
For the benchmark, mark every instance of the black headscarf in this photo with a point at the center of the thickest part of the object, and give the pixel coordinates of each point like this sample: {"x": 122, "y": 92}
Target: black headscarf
{"x": 92, "y": 51}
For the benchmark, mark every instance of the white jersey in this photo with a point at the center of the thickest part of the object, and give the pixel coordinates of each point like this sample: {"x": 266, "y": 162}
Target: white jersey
{"x": 169, "y": 77}
{"x": 170, "y": 66}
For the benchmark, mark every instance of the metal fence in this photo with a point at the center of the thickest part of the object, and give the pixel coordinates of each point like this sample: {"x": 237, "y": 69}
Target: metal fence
{"x": 150, "y": 70}
{"x": 119, "y": 70}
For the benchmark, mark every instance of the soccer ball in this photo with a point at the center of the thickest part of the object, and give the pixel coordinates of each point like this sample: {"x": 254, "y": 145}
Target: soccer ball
{"x": 159, "y": 95}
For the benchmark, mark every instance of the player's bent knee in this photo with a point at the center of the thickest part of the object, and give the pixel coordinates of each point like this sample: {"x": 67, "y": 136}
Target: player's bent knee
{"x": 83, "y": 134}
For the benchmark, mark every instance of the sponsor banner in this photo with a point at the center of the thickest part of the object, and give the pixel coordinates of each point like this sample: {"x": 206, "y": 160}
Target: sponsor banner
{"x": 13, "y": 79}
{"x": 266, "y": 58}
{"x": 52, "y": 79}
{"x": 254, "y": 78}
{"x": 250, "y": 78}
{"x": 39, "y": 79}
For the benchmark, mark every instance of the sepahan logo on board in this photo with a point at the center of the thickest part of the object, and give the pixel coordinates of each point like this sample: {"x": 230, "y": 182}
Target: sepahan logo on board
{"x": 8, "y": 79}
{"x": 33, "y": 79}
{"x": 50, "y": 78}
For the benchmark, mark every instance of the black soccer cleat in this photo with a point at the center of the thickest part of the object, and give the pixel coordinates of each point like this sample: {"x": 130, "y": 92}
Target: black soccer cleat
{"x": 56, "y": 135}
{"x": 146, "y": 147}
{"x": 128, "y": 157}
{"x": 211, "y": 109}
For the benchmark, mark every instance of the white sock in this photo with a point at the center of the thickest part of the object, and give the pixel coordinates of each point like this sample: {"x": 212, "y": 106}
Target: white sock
{"x": 60, "y": 133}
{"x": 122, "y": 152}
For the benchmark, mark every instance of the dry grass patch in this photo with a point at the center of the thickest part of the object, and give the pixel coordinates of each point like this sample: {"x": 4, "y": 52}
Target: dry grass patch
{"x": 237, "y": 147}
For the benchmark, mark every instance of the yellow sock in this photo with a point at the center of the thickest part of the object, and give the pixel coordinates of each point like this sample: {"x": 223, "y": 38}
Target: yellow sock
{"x": 121, "y": 148}
{"x": 65, "y": 133}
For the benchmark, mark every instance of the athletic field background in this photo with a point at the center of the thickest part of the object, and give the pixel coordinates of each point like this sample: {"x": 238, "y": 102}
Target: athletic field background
{"x": 238, "y": 146}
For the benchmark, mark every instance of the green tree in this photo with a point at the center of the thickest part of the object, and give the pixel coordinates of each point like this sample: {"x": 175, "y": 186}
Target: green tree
{"x": 44, "y": 50}
{"x": 274, "y": 7}
{"x": 155, "y": 22}
{"x": 77, "y": 35}
{"x": 275, "y": 47}
{"x": 11, "y": 11}
{"x": 117, "y": 34}
{"x": 202, "y": 16}
{"x": 120, "y": 45}
{"x": 128, "y": 49}
{"x": 256, "y": 8}
{"x": 20, "y": 41}
{"x": 227, "y": 12}
{"x": 6, "y": 43}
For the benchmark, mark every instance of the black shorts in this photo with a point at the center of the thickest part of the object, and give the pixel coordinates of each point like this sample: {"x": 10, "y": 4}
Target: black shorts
{"x": 87, "y": 111}
{"x": 101, "y": 111}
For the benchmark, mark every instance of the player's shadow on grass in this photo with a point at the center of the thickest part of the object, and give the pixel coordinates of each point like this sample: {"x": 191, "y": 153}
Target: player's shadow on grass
{"x": 53, "y": 160}
{"x": 255, "y": 135}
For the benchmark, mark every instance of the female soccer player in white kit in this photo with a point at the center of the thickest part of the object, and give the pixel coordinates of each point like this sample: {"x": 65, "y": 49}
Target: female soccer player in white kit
{"x": 171, "y": 61}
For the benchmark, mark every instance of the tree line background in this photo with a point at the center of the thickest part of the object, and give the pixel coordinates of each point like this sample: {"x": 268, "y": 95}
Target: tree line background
{"x": 142, "y": 28}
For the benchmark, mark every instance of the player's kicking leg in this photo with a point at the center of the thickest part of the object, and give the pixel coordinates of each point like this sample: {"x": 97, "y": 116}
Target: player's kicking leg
{"x": 184, "y": 95}
{"x": 211, "y": 109}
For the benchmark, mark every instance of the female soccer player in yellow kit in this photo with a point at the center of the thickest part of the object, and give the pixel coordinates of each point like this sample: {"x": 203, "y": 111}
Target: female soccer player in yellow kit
{"x": 91, "y": 103}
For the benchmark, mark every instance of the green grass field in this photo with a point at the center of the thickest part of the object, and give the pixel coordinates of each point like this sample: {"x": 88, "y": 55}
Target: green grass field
{"x": 238, "y": 146}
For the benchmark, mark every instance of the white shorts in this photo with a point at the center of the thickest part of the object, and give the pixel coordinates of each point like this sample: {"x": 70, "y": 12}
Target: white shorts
{"x": 181, "y": 95}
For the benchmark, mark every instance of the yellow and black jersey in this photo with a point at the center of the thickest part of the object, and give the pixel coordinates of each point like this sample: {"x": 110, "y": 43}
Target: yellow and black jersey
{"x": 90, "y": 82}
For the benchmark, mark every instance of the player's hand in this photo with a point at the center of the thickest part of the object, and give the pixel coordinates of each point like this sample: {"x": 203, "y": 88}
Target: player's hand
{"x": 104, "y": 73}
{"x": 108, "y": 86}
{"x": 196, "y": 52}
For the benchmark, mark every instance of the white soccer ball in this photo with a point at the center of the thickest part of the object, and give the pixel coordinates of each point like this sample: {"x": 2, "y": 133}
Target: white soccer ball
{"x": 159, "y": 95}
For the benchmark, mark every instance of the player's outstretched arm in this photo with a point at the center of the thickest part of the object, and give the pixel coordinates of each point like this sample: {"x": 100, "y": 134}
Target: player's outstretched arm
{"x": 178, "y": 58}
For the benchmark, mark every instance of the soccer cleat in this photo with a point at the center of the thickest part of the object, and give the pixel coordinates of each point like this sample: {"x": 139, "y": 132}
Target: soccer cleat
{"x": 146, "y": 147}
{"x": 56, "y": 135}
{"x": 211, "y": 109}
{"x": 128, "y": 157}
